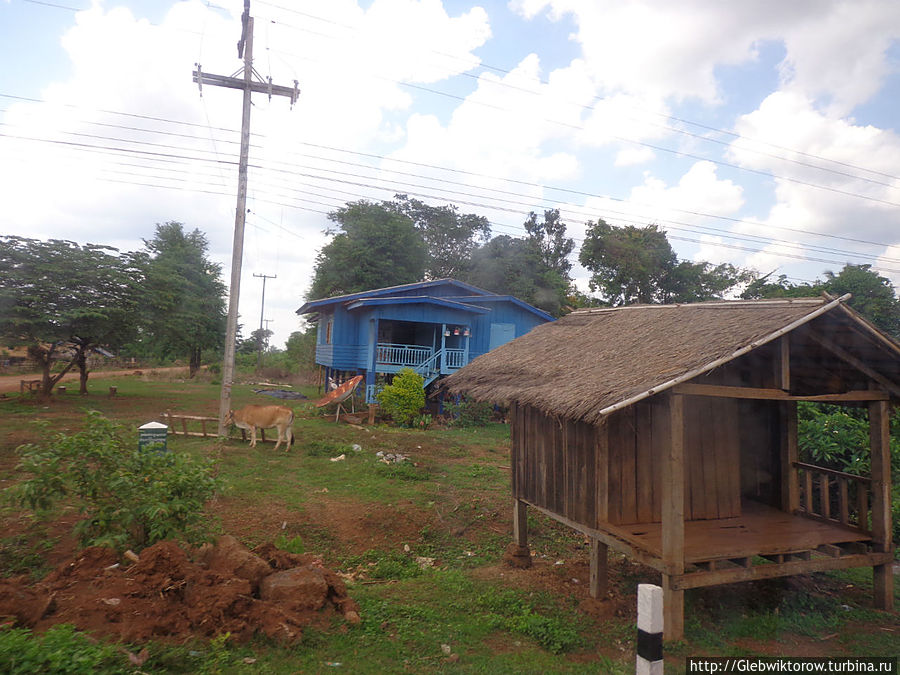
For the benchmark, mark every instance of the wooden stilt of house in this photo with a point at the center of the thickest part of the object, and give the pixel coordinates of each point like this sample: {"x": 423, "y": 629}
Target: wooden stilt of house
{"x": 669, "y": 433}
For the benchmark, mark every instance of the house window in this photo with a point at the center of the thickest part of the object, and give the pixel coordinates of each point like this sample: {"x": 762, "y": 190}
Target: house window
{"x": 328, "y": 328}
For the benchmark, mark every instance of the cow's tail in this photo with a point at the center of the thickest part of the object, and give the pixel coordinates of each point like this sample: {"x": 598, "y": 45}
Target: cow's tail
{"x": 290, "y": 432}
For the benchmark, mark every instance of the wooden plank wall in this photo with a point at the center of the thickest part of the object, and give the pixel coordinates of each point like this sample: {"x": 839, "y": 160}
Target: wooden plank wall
{"x": 612, "y": 473}
{"x": 555, "y": 464}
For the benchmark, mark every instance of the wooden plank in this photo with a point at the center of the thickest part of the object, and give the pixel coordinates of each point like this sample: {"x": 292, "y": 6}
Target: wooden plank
{"x": 627, "y": 439}
{"x": 879, "y": 442}
{"x": 599, "y": 579}
{"x": 520, "y": 523}
{"x": 693, "y": 464}
{"x": 790, "y": 454}
{"x": 808, "y": 490}
{"x": 643, "y": 462}
{"x": 862, "y": 507}
{"x": 833, "y": 472}
{"x": 614, "y": 478}
{"x": 843, "y": 501}
{"x": 702, "y": 579}
{"x": 514, "y": 440}
{"x": 673, "y": 521}
{"x": 721, "y": 391}
{"x": 601, "y": 467}
{"x": 784, "y": 362}
{"x": 825, "y": 495}
{"x": 609, "y": 535}
{"x": 659, "y": 441}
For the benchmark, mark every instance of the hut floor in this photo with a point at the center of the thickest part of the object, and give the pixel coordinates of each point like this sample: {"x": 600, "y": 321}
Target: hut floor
{"x": 759, "y": 530}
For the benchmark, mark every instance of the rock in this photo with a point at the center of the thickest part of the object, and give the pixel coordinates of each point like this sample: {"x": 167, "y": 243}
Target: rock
{"x": 231, "y": 557}
{"x": 298, "y": 589}
{"x": 352, "y": 617}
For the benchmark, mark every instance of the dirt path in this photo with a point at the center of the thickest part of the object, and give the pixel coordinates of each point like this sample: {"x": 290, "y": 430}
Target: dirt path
{"x": 10, "y": 383}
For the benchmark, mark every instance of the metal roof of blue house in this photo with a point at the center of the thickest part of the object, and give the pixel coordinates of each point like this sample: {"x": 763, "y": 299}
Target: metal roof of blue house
{"x": 468, "y": 297}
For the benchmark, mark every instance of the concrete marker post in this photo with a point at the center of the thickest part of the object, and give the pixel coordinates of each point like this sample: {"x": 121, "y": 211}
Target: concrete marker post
{"x": 650, "y": 630}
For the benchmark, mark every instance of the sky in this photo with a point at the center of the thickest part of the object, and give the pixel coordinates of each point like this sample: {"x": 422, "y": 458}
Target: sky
{"x": 763, "y": 134}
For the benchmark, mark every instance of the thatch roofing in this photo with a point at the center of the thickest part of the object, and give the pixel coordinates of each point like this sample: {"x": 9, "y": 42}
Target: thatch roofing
{"x": 592, "y": 362}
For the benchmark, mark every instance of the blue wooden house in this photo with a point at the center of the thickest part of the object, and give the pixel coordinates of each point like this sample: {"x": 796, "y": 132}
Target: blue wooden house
{"x": 434, "y": 327}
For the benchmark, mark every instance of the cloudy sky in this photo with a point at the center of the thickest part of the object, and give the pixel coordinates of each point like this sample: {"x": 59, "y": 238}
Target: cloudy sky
{"x": 761, "y": 133}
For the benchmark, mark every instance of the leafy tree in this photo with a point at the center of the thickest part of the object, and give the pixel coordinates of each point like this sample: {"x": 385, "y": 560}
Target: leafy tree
{"x": 552, "y": 243}
{"x": 638, "y": 265}
{"x": 449, "y": 236}
{"x": 508, "y": 266}
{"x": 374, "y": 247}
{"x": 183, "y": 295}
{"x": 873, "y": 295}
{"x": 62, "y": 299}
{"x": 301, "y": 348}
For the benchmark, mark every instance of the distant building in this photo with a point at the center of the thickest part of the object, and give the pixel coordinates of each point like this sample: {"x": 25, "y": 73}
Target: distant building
{"x": 433, "y": 327}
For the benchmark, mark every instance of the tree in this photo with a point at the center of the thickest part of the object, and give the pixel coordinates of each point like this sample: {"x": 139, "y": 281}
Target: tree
{"x": 183, "y": 295}
{"x": 450, "y": 237}
{"x": 552, "y": 243}
{"x": 872, "y": 295}
{"x": 57, "y": 295}
{"x": 638, "y": 265}
{"x": 508, "y": 266}
{"x": 374, "y": 247}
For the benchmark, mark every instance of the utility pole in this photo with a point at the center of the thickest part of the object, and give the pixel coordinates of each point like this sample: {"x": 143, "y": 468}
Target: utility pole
{"x": 247, "y": 84}
{"x": 262, "y": 311}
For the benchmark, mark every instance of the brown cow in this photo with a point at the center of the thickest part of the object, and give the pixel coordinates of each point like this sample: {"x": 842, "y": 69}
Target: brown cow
{"x": 255, "y": 417}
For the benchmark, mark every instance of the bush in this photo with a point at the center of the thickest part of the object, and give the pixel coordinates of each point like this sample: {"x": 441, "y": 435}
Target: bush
{"x": 131, "y": 498}
{"x": 60, "y": 650}
{"x": 404, "y": 398}
{"x": 466, "y": 413}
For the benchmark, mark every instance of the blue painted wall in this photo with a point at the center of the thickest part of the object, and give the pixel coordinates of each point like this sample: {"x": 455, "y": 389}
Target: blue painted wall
{"x": 349, "y": 347}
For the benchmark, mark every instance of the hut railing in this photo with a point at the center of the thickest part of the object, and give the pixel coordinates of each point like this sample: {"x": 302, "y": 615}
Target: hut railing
{"x": 834, "y": 495}
{"x": 402, "y": 355}
{"x": 455, "y": 358}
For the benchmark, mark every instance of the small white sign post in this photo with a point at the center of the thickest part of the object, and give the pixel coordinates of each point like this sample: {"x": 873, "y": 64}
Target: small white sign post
{"x": 650, "y": 630}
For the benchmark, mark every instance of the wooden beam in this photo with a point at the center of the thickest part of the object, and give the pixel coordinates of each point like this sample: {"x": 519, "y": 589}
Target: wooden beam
{"x": 790, "y": 455}
{"x": 784, "y": 362}
{"x": 784, "y": 569}
{"x": 673, "y": 520}
{"x": 520, "y": 523}
{"x": 879, "y": 441}
{"x": 864, "y": 368}
{"x": 723, "y": 391}
{"x": 599, "y": 586}
{"x": 613, "y": 541}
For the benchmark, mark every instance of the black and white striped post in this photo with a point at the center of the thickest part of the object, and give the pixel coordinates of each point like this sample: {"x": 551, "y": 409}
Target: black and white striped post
{"x": 650, "y": 630}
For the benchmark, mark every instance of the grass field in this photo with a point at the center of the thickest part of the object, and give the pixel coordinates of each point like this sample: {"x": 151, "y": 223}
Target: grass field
{"x": 421, "y": 545}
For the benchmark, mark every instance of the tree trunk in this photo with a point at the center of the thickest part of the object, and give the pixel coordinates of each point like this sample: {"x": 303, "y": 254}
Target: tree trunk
{"x": 81, "y": 360}
{"x": 195, "y": 360}
{"x": 43, "y": 356}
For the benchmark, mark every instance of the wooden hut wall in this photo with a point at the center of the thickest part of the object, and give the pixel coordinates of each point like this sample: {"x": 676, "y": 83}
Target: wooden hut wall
{"x": 760, "y": 429}
{"x": 555, "y": 465}
{"x": 612, "y": 472}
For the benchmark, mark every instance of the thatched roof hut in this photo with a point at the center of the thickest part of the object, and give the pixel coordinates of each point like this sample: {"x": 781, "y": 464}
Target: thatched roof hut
{"x": 665, "y": 431}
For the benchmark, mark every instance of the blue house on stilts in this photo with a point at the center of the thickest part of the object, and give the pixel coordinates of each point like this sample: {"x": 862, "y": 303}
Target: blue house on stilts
{"x": 434, "y": 327}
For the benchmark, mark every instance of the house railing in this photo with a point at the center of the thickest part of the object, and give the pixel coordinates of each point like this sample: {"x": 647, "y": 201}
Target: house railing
{"x": 402, "y": 355}
{"x": 834, "y": 495}
{"x": 454, "y": 359}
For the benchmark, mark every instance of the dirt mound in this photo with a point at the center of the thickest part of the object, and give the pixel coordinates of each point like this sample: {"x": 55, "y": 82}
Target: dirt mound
{"x": 168, "y": 596}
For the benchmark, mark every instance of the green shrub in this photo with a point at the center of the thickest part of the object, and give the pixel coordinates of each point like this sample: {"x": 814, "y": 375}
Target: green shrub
{"x": 466, "y": 413}
{"x": 404, "y": 398}
{"x": 60, "y": 650}
{"x": 131, "y": 498}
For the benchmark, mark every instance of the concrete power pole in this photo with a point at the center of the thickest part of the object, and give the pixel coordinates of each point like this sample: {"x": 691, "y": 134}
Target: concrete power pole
{"x": 262, "y": 312}
{"x": 247, "y": 84}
